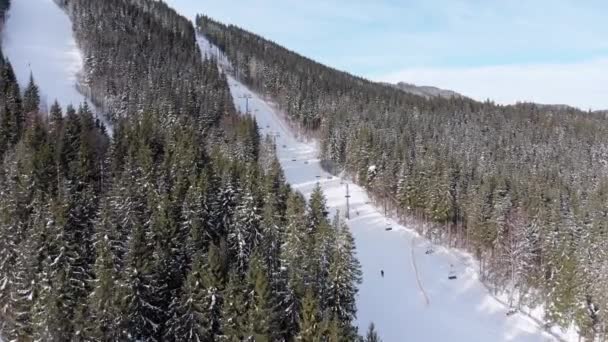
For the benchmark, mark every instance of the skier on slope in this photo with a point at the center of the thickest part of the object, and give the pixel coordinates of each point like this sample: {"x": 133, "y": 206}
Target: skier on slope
{"x": 382, "y": 273}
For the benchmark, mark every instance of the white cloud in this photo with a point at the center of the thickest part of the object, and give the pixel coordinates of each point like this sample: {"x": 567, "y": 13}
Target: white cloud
{"x": 583, "y": 84}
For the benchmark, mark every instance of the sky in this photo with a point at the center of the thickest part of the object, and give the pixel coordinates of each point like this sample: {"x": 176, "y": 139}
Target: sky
{"x": 546, "y": 51}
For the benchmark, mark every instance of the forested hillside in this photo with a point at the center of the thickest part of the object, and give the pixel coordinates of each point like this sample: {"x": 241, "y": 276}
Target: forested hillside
{"x": 180, "y": 227}
{"x": 523, "y": 187}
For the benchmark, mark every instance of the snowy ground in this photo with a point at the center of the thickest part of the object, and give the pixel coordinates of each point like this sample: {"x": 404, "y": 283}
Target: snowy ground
{"x": 38, "y": 38}
{"x": 415, "y": 300}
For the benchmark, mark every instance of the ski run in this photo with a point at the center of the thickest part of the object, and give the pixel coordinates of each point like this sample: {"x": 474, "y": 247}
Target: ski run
{"x": 415, "y": 300}
{"x": 38, "y": 40}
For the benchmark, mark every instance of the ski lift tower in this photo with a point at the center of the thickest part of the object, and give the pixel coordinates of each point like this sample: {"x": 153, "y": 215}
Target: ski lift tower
{"x": 247, "y": 97}
{"x": 347, "y": 203}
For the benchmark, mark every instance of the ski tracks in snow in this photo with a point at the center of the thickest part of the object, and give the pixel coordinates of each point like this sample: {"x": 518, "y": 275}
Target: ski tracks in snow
{"x": 425, "y": 296}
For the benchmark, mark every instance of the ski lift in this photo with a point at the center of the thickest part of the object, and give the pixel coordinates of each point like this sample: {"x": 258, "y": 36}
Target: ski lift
{"x": 388, "y": 226}
{"x": 452, "y": 274}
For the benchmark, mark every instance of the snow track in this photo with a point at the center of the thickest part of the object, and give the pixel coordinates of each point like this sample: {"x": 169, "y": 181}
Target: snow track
{"x": 415, "y": 268}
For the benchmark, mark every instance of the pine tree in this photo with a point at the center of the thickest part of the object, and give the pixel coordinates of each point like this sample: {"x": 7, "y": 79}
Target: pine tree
{"x": 25, "y": 284}
{"x": 261, "y": 316}
{"x": 234, "y": 311}
{"x": 293, "y": 250}
{"x": 335, "y": 333}
{"x": 31, "y": 97}
{"x": 103, "y": 300}
{"x": 194, "y": 214}
{"x": 310, "y": 323}
{"x": 245, "y": 231}
{"x": 195, "y": 316}
{"x": 70, "y": 144}
{"x": 344, "y": 278}
{"x": 137, "y": 291}
{"x": 169, "y": 269}
{"x": 317, "y": 210}
{"x": 372, "y": 335}
{"x": 55, "y": 119}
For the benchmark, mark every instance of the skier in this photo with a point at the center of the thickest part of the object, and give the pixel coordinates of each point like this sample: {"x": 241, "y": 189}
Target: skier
{"x": 382, "y": 273}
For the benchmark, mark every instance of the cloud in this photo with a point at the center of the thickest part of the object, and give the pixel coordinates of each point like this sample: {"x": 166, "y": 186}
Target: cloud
{"x": 582, "y": 84}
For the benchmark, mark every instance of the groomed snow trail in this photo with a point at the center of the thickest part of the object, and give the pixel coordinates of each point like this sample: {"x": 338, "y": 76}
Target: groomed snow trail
{"x": 425, "y": 296}
{"x": 461, "y": 310}
{"x": 38, "y": 39}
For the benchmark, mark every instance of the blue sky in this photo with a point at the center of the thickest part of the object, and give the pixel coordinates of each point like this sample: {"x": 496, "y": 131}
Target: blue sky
{"x": 509, "y": 50}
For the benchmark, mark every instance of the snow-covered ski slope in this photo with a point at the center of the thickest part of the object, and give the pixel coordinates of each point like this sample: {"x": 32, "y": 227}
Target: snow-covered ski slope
{"x": 415, "y": 300}
{"x": 38, "y": 38}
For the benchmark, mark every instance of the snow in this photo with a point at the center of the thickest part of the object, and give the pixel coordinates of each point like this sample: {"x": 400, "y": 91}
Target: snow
{"x": 38, "y": 38}
{"x": 415, "y": 300}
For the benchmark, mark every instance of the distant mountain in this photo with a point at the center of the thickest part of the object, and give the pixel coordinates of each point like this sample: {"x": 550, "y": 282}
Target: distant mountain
{"x": 425, "y": 91}
{"x": 561, "y": 108}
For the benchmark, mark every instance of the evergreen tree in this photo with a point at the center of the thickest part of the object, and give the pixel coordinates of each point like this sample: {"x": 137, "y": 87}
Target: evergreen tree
{"x": 372, "y": 335}
{"x": 234, "y": 311}
{"x": 140, "y": 313}
{"x": 31, "y": 97}
{"x": 344, "y": 278}
{"x": 310, "y": 322}
{"x": 103, "y": 300}
{"x": 261, "y": 315}
{"x": 196, "y": 315}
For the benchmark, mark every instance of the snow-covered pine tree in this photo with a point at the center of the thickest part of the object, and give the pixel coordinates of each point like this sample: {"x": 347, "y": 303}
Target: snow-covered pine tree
{"x": 261, "y": 316}
{"x": 107, "y": 271}
{"x": 31, "y": 97}
{"x": 310, "y": 322}
{"x": 245, "y": 233}
{"x": 293, "y": 251}
{"x": 139, "y": 318}
{"x": 195, "y": 315}
{"x": 234, "y": 311}
{"x": 344, "y": 278}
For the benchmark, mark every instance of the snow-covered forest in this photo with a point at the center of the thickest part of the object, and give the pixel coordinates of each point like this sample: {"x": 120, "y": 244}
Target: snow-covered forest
{"x": 179, "y": 227}
{"x": 233, "y": 190}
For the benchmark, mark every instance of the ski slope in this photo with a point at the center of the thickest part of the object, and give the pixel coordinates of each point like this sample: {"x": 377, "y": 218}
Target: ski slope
{"x": 38, "y": 39}
{"x": 415, "y": 300}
